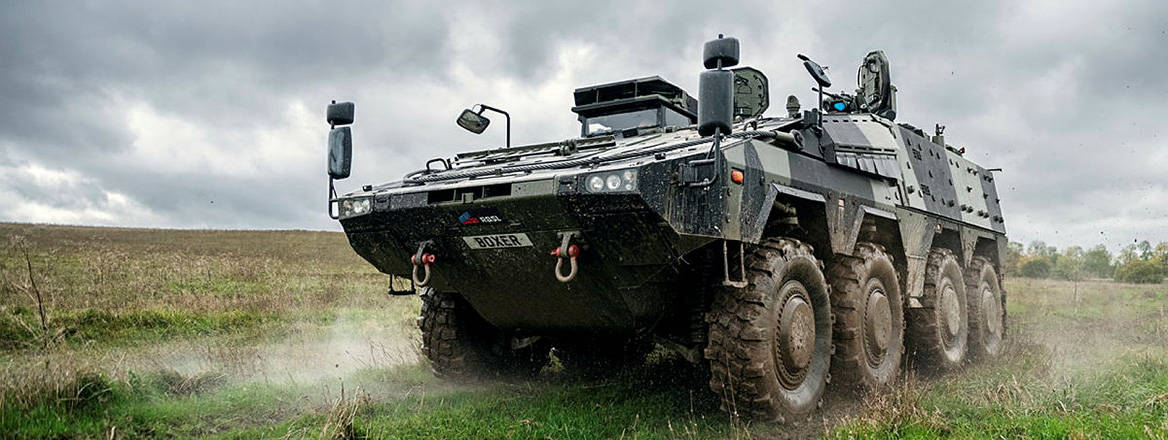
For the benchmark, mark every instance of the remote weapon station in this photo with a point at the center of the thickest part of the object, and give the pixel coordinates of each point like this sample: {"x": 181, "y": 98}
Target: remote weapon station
{"x": 782, "y": 252}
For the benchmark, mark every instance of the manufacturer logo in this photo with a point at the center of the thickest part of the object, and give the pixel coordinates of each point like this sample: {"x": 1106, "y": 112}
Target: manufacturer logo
{"x": 482, "y": 216}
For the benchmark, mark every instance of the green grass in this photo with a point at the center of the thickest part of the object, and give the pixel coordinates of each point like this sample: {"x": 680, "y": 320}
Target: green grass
{"x": 150, "y": 406}
{"x": 288, "y": 334}
{"x": 632, "y": 406}
{"x": 107, "y": 328}
{"x": 1126, "y": 399}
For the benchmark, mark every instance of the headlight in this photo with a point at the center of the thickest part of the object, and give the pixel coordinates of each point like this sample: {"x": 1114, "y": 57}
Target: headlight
{"x": 613, "y": 181}
{"x": 596, "y": 184}
{"x": 355, "y": 207}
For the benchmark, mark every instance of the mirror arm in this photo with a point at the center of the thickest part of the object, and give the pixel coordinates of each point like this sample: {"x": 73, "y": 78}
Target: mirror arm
{"x": 483, "y": 107}
{"x": 332, "y": 197}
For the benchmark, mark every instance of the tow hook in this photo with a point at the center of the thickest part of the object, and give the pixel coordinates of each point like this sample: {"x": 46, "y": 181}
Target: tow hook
{"x": 424, "y": 260}
{"x": 568, "y": 252}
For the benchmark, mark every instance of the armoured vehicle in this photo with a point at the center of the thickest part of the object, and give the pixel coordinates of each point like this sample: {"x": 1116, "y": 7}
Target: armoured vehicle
{"x": 781, "y": 252}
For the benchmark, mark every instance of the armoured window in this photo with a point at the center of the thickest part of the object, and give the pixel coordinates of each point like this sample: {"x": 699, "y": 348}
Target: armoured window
{"x": 621, "y": 121}
{"x": 676, "y": 119}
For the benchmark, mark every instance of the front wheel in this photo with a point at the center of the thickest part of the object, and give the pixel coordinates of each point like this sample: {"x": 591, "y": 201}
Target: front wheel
{"x": 461, "y": 345}
{"x": 770, "y": 342}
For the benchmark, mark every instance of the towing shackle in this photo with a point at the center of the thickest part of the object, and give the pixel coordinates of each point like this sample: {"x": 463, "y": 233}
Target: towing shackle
{"x": 423, "y": 260}
{"x": 566, "y": 252}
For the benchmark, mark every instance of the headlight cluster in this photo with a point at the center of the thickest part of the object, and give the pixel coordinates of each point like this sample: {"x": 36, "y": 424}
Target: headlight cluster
{"x": 613, "y": 181}
{"x": 355, "y": 207}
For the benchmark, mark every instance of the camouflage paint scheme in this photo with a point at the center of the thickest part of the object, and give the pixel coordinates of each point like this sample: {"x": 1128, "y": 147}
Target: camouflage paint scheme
{"x": 634, "y": 243}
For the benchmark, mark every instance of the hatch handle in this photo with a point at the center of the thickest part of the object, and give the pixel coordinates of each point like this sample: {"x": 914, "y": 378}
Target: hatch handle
{"x": 444, "y": 162}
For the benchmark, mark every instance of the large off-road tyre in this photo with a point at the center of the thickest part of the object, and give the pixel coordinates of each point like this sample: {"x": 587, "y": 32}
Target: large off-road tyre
{"x": 939, "y": 331}
{"x": 987, "y": 309}
{"x": 461, "y": 346}
{"x": 769, "y": 345}
{"x": 869, "y": 320}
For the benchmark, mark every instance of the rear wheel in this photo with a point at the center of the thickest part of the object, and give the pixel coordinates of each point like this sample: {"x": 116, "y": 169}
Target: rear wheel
{"x": 987, "y": 311}
{"x": 770, "y": 342}
{"x": 460, "y": 345}
{"x": 940, "y": 330}
{"x": 869, "y": 319}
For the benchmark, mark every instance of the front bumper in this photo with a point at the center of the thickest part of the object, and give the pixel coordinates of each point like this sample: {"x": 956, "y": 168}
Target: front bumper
{"x": 624, "y": 245}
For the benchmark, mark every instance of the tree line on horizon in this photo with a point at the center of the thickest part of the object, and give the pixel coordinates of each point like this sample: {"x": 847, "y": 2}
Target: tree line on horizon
{"x": 1139, "y": 262}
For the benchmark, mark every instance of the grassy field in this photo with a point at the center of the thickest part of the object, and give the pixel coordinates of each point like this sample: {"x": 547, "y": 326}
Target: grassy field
{"x": 288, "y": 334}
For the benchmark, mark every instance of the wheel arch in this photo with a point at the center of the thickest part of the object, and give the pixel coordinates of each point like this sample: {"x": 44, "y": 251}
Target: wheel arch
{"x": 832, "y": 224}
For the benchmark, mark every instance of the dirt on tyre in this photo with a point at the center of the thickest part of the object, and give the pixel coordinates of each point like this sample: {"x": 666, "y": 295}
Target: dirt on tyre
{"x": 462, "y": 346}
{"x": 939, "y": 331}
{"x": 869, "y": 320}
{"x": 987, "y": 309}
{"x": 769, "y": 347}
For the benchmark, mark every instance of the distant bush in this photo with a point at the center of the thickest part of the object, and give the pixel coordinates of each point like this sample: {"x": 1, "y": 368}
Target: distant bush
{"x": 1068, "y": 267}
{"x": 1139, "y": 272}
{"x": 1035, "y": 267}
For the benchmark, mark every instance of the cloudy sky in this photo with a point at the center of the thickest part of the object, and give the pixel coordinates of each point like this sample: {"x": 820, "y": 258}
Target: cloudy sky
{"x": 205, "y": 115}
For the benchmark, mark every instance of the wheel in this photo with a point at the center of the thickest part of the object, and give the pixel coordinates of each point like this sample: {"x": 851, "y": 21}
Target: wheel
{"x": 987, "y": 311}
{"x": 461, "y": 346}
{"x": 869, "y": 319}
{"x": 939, "y": 330}
{"x": 770, "y": 342}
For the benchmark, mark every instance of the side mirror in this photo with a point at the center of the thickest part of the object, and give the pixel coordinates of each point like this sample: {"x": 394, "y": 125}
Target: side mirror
{"x": 816, "y": 72}
{"x": 340, "y": 114}
{"x": 751, "y": 94}
{"x": 340, "y": 152}
{"x": 715, "y": 102}
{"x": 473, "y": 122}
{"x": 716, "y": 87}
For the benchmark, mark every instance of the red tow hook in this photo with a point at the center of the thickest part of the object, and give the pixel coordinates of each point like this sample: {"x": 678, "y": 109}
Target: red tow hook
{"x": 425, "y": 261}
{"x": 573, "y": 252}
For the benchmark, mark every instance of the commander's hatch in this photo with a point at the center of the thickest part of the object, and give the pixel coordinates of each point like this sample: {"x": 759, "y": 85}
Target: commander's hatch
{"x": 876, "y": 94}
{"x": 864, "y": 139}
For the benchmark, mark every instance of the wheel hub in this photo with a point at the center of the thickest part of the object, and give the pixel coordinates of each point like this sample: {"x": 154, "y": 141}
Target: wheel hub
{"x": 877, "y": 323}
{"x": 797, "y": 333}
{"x": 951, "y": 311}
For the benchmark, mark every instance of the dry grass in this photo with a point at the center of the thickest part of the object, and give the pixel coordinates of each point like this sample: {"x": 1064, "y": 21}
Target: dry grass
{"x": 200, "y": 271}
{"x": 249, "y": 334}
{"x": 132, "y": 313}
{"x": 1083, "y": 360}
{"x": 61, "y": 385}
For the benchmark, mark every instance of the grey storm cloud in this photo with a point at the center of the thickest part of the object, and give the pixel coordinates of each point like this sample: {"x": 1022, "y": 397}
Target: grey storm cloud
{"x": 208, "y": 114}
